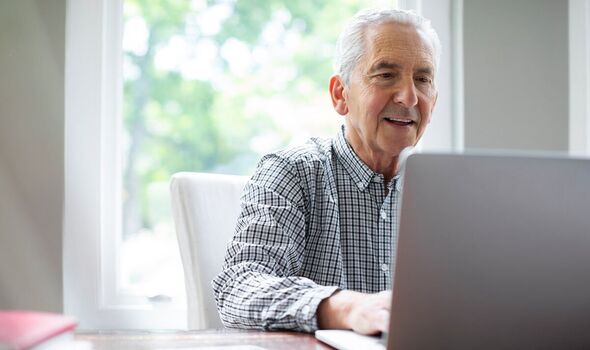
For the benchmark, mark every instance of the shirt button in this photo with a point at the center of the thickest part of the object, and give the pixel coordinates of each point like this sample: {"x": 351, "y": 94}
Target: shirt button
{"x": 359, "y": 185}
{"x": 332, "y": 199}
{"x": 384, "y": 267}
{"x": 383, "y": 215}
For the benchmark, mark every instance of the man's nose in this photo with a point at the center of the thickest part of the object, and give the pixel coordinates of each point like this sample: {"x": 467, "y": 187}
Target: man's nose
{"x": 406, "y": 94}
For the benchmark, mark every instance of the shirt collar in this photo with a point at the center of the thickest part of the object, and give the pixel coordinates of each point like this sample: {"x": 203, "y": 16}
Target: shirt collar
{"x": 358, "y": 171}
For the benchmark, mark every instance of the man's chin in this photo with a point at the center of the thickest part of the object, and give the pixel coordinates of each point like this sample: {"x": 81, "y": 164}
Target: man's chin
{"x": 398, "y": 148}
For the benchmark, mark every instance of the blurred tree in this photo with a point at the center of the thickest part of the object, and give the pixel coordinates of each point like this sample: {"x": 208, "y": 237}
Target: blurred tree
{"x": 212, "y": 84}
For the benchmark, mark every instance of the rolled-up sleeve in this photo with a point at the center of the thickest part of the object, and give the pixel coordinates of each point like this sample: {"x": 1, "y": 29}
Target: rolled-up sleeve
{"x": 259, "y": 286}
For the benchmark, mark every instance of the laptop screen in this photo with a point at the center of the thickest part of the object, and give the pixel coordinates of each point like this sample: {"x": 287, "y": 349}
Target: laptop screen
{"x": 493, "y": 252}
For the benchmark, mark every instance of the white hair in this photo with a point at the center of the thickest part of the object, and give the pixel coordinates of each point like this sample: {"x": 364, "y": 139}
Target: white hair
{"x": 351, "y": 45}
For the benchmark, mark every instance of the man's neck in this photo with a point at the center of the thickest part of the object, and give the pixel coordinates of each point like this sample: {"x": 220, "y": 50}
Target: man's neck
{"x": 379, "y": 163}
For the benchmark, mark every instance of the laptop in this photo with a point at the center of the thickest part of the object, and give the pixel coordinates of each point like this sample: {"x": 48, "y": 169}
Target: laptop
{"x": 493, "y": 253}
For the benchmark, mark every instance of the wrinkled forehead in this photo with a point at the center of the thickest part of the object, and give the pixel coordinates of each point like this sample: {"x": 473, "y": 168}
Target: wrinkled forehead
{"x": 399, "y": 43}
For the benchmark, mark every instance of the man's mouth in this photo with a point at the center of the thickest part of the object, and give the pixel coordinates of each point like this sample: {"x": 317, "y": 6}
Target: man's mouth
{"x": 400, "y": 121}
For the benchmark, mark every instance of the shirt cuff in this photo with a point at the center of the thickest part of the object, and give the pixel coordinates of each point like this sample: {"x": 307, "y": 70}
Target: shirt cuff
{"x": 307, "y": 313}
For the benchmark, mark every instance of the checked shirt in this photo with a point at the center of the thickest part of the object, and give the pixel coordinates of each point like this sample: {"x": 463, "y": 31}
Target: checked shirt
{"x": 314, "y": 219}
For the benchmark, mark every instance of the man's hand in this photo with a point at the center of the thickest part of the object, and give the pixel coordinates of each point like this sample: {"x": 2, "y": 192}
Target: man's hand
{"x": 363, "y": 313}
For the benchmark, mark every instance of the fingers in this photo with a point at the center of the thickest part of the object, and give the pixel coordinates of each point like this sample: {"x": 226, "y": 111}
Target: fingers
{"x": 370, "y": 313}
{"x": 381, "y": 315}
{"x": 382, "y": 320}
{"x": 363, "y": 313}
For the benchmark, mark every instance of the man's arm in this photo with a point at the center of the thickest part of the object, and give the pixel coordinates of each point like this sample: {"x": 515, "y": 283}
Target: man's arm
{"x": 259, "y": 286}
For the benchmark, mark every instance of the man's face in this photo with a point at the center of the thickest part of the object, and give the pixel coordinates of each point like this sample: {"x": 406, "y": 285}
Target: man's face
{"x": 389, "y": 99}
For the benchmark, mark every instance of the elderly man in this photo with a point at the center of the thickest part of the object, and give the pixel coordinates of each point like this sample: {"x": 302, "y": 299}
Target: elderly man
{"x": 316, "y": 236}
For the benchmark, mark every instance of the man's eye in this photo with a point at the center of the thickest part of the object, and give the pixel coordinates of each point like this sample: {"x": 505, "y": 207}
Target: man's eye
{"x": 424, "y": 80}
{"x": 385, "y": 76}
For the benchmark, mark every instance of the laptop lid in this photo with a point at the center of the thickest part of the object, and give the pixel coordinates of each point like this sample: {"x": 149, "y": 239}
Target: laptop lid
{"x": 493, "y": 252}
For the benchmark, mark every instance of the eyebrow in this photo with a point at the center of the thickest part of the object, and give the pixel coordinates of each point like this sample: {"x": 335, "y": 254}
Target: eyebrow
{"x": 425, "y": 70}
{"x": 384, "y": 65}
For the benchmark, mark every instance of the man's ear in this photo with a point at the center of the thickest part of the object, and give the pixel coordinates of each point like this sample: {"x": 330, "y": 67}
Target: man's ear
{"x": 337, "y": 94}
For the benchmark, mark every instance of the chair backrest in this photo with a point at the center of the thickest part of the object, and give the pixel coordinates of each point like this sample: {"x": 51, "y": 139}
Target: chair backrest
{"x": 205, "y": 209}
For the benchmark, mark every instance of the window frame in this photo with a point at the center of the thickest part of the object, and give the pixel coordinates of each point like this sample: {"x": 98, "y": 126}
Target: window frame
{"x": 92, "y": 187}
{"x": 579, "y": 78}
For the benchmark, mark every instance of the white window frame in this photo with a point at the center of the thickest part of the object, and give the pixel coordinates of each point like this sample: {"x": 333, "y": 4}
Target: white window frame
{"x": 93, "y": 97}
{"x": 579, "y": 78}
{"x": 92, "y": 128}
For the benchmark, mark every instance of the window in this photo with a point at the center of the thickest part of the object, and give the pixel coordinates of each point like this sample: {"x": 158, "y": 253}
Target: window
{"x": 579, "y": 78}
{"x": 156, "y": 87}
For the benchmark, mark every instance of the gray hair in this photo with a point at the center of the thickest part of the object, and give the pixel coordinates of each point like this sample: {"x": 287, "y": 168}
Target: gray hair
{"x": 351, "y": 45}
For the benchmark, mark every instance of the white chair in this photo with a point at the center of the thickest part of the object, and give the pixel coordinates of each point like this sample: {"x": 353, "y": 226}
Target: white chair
{"x": 205, "y": 209}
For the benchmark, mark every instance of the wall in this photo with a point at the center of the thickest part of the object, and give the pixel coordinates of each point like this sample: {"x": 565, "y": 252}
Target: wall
{"x": 32, "y": 39}
{"x": 516, "y": 74}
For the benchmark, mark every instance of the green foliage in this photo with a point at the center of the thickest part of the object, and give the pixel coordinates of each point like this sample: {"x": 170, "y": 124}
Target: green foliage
{"x": 176, "y": 122}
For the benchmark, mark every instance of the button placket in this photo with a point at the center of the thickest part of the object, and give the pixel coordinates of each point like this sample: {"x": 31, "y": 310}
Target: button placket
{"x": 386, "y": 231}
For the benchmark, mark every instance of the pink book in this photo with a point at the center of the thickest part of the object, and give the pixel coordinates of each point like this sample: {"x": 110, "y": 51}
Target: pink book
{"x": 22, "y": 330}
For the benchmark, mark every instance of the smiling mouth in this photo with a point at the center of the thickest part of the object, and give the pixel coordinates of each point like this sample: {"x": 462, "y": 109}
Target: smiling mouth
{"x": 399, "y": 121}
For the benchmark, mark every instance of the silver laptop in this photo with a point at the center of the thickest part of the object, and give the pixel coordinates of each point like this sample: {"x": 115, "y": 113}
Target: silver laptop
{"x": 493, "y": 253}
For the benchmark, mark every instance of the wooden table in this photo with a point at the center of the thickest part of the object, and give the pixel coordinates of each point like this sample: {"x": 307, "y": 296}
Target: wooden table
{"x": 205, "y": 339}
